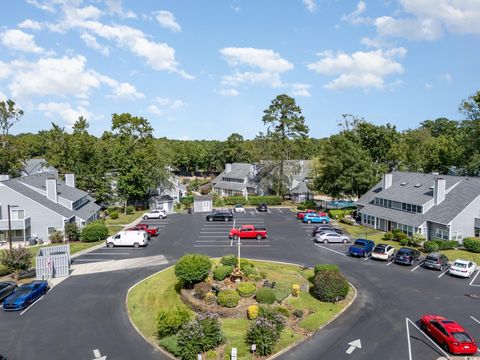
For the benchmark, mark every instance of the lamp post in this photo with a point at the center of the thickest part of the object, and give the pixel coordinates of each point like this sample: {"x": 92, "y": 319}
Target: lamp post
{"x": 10, "y": 224}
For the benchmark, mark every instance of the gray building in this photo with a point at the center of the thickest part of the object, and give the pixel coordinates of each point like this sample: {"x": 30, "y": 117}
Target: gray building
{"x": 40, "y": 204}
{"x": 436, "y": 206}
{"x": 168, "y": 195}
{"x": 37, "y": 166}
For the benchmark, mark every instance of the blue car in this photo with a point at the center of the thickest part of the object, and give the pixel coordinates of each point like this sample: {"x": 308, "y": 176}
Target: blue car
{"x": 25, "y": 295}
{"x": 315, "y": 218}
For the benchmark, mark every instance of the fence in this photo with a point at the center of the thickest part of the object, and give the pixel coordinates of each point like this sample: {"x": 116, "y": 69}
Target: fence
{"x": 53, "y": 261}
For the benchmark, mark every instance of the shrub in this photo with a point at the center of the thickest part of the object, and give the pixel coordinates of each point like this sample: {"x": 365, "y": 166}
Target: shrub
{"x": 395, "y": 232}
{"x": 405, "y": 241}
{"x": 254, "y": 277}
{"x": 446, "y": 244}
{"x": 229, "y": 260}
{"x": 430, "y": 246}
{"x": 264, "y": 334}
{"x": 330, "y": 287}
{"x": 269, "y": 200}
{"x": 246, "y": 289}
{"x": 347, "y": 221}
{"x": 263, "y": 274}
{"x": 272, "y": 314}
{"x": 282, "y": 290}
{"x": 72, "y": 232}
{"x": 295, "y": 289}
{"x": 282, "y": 311}
{"x": 169, "y": 321}
{"x": 111, "y": 209}
{"x": 211, "y": 355}
{"x": 301, "y": 207}
{"x": 245, "y": 263}
{"x": 265, "y": 296}
{"x": 56, "y": 237}
{"x": 298, "y": 313}
{"x": 202, "y": 289}
{"x": 212, "y": 331}
{"x": 170, "y": 343}
{"x": 249, "y": 270}
{"x": 252, "y": 312}
{"x": 16, "y": 260}
{"x": 222, "y": 272}
{"x": 114, "y": 215}
{"x": 472, "y": 244}
{"x": 210, "y": 298}
{"x": 190, "y": 340}
{"x": 417, "y": 239}
{"x": 400, "y": 236}
{"x": 192, "y": 268}
{"x": 94, "y": 231}
{"x": 325, "y": 267}
{"x": 129, "y": 209}
{"x": 228, "y": 298}
{"x": 187, "y": 201}
{"x": 388, "y": 236}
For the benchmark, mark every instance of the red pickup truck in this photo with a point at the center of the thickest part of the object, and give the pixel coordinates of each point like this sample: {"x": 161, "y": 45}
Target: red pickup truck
{"x": 151, "y": 230}
{"x": 248, "y": 232}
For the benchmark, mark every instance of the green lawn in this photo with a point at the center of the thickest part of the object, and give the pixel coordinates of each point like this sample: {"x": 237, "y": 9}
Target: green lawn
{"x": 462, "y": 254}
{"x": 124, "y": 219}
{"x": 161, "y": 291}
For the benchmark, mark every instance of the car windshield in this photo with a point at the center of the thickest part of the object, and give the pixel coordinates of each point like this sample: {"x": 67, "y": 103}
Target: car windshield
{"x": 404, "y": 252}
{"x": 379, "y": 249}
{"x": 462, "y": 337}
{"x": 460, "y": 265}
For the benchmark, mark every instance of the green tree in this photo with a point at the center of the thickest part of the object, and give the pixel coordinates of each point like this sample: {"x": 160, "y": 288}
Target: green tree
{"x": 10, "y": 156}
{"x": 16, "y": 260}
{"x": 9, "y": 115}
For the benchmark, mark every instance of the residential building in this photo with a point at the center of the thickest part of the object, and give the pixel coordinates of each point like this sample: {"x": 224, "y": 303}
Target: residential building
{"x": 236, "y": 179}
{"x": 38, "y": 166}
{"x": 40, "y": 204}
{"x": 168, "y": 195}
{"x": 436, "y": 206}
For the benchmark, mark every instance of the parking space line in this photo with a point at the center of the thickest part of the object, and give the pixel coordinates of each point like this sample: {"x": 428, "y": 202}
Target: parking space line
{"x": 1, "y": 306}
{"x": 407, "y": 320}
{"x": 473, "y": 280}
{"x": 212, "y": 232}
{"x": 220, "y": 245}
{"x": 107, "y": 254}
{"x": 280, "y": 210}
{"x": 24, "y": 311}
{"x": 335, "y": 251}
{"x": 367, "y": 258}
{"x": 390, "y": 263}
{"x": 439, "y": 276}
{"x": 416, "y": 267}
{"x": 77, "y": 259}
{"x": 476, "y": 320}
{"x": 212, "y": 236}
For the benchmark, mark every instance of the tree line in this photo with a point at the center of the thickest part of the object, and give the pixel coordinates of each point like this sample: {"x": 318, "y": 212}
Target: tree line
{"x": 345, "y": 164}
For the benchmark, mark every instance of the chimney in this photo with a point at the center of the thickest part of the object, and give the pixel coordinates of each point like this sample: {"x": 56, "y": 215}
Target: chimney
{"x": 387, "y": 181}
{"x": 4, "y": 177}
{"x": 70, "y": 180}
{"x": 51, "y": 186}
{"x": 228, "y": 168}
{"x": 439, "y": 190}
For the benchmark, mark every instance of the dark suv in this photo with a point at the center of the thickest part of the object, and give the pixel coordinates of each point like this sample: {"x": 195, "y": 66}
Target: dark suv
{"x": 220, "y": 216}
{"x": 436, "y": 261}
{"x": 407, "y": 256}
{"x": 262, "y": 207}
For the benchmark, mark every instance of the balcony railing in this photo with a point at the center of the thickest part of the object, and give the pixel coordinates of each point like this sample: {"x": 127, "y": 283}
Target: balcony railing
{"x": 15, "y": 224}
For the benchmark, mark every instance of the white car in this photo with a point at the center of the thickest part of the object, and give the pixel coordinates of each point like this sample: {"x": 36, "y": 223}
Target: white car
{"x": 462, "y": 268}
{"x": 239, "y": 208}
{"x": 155, "y": 214}
{"x": 331, "y": 237}
{"x": 128, "y": 238}
{"x": 383, "y": 252}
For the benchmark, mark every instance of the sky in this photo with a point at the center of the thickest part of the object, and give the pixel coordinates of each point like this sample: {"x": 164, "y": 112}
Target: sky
{"x": 203, "y": 69}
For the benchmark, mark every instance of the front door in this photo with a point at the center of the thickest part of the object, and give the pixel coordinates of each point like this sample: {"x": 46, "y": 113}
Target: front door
{"x": 389, "y": 226}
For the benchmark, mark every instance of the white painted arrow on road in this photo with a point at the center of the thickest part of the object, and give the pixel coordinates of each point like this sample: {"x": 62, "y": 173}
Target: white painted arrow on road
{"x": 354, "y": 345}
{"x": 98, "y": 356}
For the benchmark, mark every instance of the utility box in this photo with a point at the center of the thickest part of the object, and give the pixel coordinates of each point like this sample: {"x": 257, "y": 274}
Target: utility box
{"x": 53, "y": 262}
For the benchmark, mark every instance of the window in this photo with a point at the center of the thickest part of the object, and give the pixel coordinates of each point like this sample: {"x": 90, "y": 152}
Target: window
{"x": 51, "y": 230}
{"x": 457, "y": 235}
{"x": 441, "y": 234}
{"x": 17, "y": 214}
{"x": 477, "y": 232}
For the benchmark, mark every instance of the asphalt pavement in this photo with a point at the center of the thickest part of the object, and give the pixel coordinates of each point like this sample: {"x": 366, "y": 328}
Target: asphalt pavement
{"x": 85, "y": 316}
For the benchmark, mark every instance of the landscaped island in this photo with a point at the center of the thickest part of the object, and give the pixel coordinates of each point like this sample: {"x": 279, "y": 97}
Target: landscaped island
{"x": 209, "y": 306}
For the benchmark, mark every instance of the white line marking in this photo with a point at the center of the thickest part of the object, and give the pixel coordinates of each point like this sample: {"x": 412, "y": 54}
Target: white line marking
{"x": 433, "y": 342}
{"x": 416, "y": 267}
{"x": 75, "y": 260}
{"x": 439, "y": 276}
{"x": 107, "y": 254}
{"x": 1, "y": 306}
{"x": 212, "y": 232}
{"x": 213, "y": 236}
{"x": 478, "y": 321}
{"x": 252, "y": 245}
{"x": 473, "y": 280}
{"x": 31, "y": 305}
{"x": 408, "y": 340}
{"x": 96, "y": 353}
{"x": 391, "y": 262}
{"x": 212, "y": 241}
{"x": 367, "y": 258}
{"x": 281, "y": 212}
{"x": 335, "y": 251}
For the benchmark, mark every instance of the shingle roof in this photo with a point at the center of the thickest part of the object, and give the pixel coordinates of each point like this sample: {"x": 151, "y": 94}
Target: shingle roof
{"x": 402, "y": 217}
{"x": 87, "y": 210}
{"x": 203, "y": 197}
{"x": 230, "y": 186}
{"x": 65, "y": 191}
{"x": 32, "y": 164}
{"x": 301, "y": 188}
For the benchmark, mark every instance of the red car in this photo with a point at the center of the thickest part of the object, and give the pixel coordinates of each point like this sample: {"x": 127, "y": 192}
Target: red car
{"x": 450, "y": 335}
{"x": 301, "y": 214}
{"x": 248, "y": 232}
{"x": 152, "y": 231}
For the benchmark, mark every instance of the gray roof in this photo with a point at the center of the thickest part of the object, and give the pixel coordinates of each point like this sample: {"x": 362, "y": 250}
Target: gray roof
{"x": 87, "y": 210}
{"x": 203, "y": 197}
{"x": 301, "y": 188}
{"x": 65, "y": 191}
{"x": 239, "y": 171}
{"x": 457, "y": 197}
{"x": 32, "y": 164}
{"x": 230, "y": 186}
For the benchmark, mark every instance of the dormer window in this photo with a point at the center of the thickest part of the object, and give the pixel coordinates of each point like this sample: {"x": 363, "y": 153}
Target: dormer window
{"x": 404, "y": 183}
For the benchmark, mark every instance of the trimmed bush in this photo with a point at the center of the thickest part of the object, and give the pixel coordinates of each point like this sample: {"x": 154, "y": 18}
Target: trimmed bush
{"x": 114, "y": 215}
{"x": 246, "y": 289}
{"x": 388, "y": 236}
{"x": 263, "y": 274}
{"x": 405, "y": 241}
{"x": 430, "y": 246}
{"x": 252, "y": 312}
{"x": 211, "y": 355}
{"x": 169, "y": 321}
{"x": 192, "y": 268}
{"x": 401, "y": 236}
{"x": 228, "y": 298}
{"x": 282, "y": 311}
{"x": 295, "y": 290}
{"x": 170, "y": 343}
{"x": 298, "y": 313}
{"x": 265, "y": 296}
{"x": 229, "y": 260}
{"x": 446, "y": 244}
{"x": 253, "y": 200}
{"x": 187, "y": 201}
{"x": 210, "y": 298}
{"x": 472, "y": 244}
{"x": 129, "y": 209}
{"x": 202, "y": 289}
{"x": 249, "y": 270}
{"x": 72, "y": 232}
{"x": 254, "y": 277}
{"x": 94, "y": 231}
{"x": 245, "y": 263}
{"x": 222, "y": 272}
{"x": 330, "y": 287}
{"x": 347, "y": 221}
{"x": 325, "y": 267}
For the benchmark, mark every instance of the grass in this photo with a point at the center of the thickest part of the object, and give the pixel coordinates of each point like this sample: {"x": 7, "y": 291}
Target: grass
{"x": 161, "y": 291}
{"x": 462, "y": 254}
{"x": 113, "y": 229}
{"x": 124, "y": 219}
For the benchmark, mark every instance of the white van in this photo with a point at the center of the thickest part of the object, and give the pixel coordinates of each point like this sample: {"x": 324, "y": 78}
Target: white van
{"x": 128, "y": 238}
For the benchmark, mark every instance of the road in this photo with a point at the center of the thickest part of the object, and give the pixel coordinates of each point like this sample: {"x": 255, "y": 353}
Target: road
{"x": 87, "y": 312}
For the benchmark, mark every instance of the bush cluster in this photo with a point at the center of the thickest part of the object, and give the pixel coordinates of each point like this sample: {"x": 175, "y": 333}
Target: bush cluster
{"x": 169, "y": 321}
{"x": 430, "y": 246}
{"x": 253, "y": 200}
{"x": 472, "y": 244}
{"x": 228, "y": 298}
{"x": 388, "y": 236}
{"x": 307, "y": 204}
{"x": 229, "y": 260}
{"x": 192, "y": 268}
{"x": 187, "y": 201}
{"x": 246, "y": 289}
{"x": 264, "y": 333}
{"x": 282, "y": 290}
{"x": 222, "y": 272}
{"x": 347, "y": 221}
{"x": 325, "y": 267}
{"x": 113, "y": 215}
{"x": 202, "y": 289}
{"x": 129, "y": 209}
{"x": 446, "y": 244}
{"x": 330, "y": 286}
{"x": 265, "y": 296}
{"x": 94, "y": 231}
{"x": 170, "y": 343}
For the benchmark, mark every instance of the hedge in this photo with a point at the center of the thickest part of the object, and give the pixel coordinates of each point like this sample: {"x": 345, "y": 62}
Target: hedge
{"x": 253, "y": 200}
{"x": 193, "y": 268}
{"x": 94, "y": 231}
{"x": 265, "y": 296}
{"x": 330, "y": 287}
{"x": 325, "y": 267}
{"x": 230, "y": 260}
{"x": 222, "y": 272}
{"x": 472, "y": 244}
{"x": 446, "y": 244}
{"x": 430, "y": 246}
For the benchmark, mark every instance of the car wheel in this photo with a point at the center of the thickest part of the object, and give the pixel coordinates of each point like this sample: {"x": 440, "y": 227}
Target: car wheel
{"x": 445, "y": 347}
{"x": 344, "y": 241}
{"x": 136, "y": 245}
{"x": 210, "y": 219}
{"x": 309, "y": 221}
{"x": 325, "y": 241}
{"x": 145, "y": 217}
{"x": 111, "y": 245}
{"x": 226, "y": 219}
{"x": 259, "y": 237}
{"x": 235, "y": 237}
{"x": 324, "y": 221}
{"x": 441, "y": 268}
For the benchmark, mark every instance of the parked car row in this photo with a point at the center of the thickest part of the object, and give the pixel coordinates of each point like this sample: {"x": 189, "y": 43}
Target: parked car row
{"x": 19, "y": 298}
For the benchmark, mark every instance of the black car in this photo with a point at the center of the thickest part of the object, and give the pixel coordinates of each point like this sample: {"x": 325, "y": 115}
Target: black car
{"x": 262, "y": 207}
{"x": 318, "y": 229}
{"x": 407, "y": 256}
{"x": 220, "y": 216}
{"x": 6, "y": 288}
{"x": 436, "y": 261}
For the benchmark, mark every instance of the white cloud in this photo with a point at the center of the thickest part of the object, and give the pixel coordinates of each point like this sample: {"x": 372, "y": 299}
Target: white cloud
{"x": 425, "y": 29}
{"x": 44, "y": 5}
{"x": 65, "y": 111}
{"x": 428, "y": 86}
{"x": 153, "y": 109}
{"x": 229, "y": 92}
{"x": 264, "y": 59}
{"x": 372, "y": 43}
{"x": 446, "y": 77}
{"x": 301, "y": 90}
{"x": 252, "y": 78}
{"x": 115, "y": 8}
{"x": 18, "y": 40}
{"x": 360, "y": 69}
{"x": 171, "y": 103}
{"x": 91, "y": 42}
{"x": 167, "y": 20}
{"x": 355, "y": 16}
{"x": 311, "y": 5}
{"x": 126, "y": 91}
{"x": 30, "y": 24}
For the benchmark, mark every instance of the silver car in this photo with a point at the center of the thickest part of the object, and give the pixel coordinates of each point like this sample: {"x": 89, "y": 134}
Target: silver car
{"x": 331, "y": 237}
